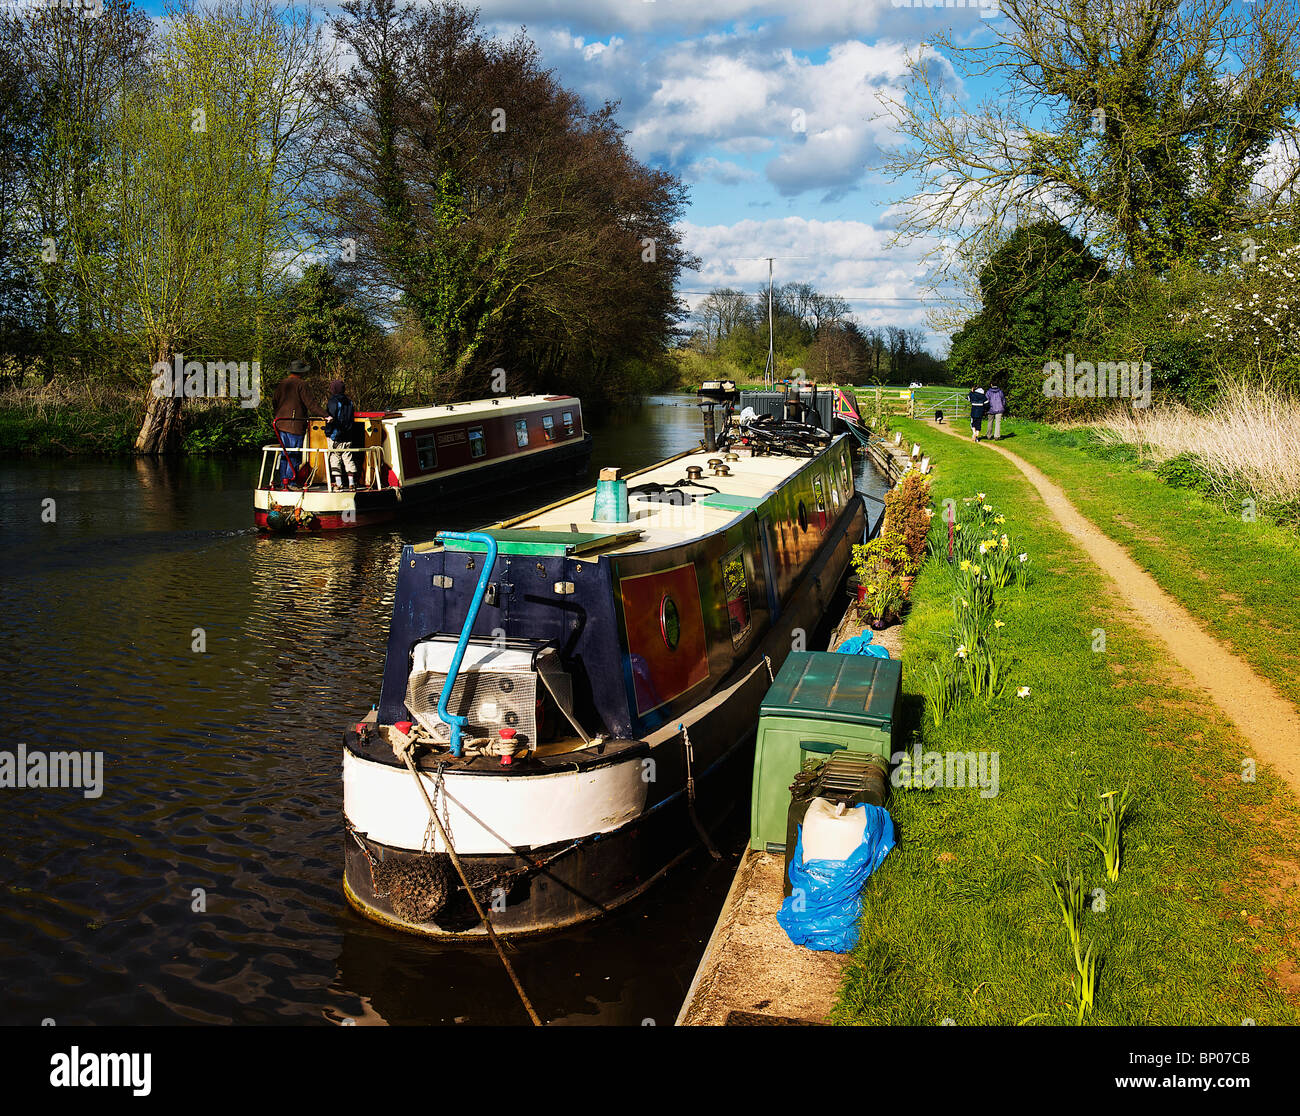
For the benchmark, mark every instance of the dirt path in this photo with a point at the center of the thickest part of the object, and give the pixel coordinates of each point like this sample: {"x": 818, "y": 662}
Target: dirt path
{"x": 1266, "y": 719}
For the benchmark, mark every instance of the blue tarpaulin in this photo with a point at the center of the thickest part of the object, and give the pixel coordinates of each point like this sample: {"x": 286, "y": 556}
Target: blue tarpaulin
{"x": 862, "y": 645}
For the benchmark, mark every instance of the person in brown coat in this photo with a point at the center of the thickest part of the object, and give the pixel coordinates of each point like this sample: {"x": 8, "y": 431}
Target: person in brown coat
{"x": 293, "y": 406}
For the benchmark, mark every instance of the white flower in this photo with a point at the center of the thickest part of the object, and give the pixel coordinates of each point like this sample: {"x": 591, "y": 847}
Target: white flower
{"x": 1023, "y": 691}
{"x": 961, "y": 651}
{"x": 1024, "y": 558}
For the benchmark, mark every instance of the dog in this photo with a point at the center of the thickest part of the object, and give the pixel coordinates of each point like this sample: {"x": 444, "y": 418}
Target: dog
{"x": 938, "y": 416}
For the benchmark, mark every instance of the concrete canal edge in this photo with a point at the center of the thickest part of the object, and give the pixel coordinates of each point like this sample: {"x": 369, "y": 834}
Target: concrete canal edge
{"x": 751, "y": 974}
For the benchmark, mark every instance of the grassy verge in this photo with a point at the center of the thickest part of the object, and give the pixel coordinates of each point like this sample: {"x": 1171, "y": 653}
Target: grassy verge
{"x": 958, "y": 924}
{"x": 1238, "y": 578}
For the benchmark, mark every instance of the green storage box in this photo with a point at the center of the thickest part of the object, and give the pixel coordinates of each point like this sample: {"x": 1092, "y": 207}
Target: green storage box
{"x": 820, "y": 703}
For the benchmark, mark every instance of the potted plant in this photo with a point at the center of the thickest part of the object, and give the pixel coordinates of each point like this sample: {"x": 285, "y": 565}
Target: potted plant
{"x": 883, "y": 601}
{"x": 883, "y": 557}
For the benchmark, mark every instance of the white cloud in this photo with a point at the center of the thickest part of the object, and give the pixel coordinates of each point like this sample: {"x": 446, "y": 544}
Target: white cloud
{"x": 853, "y": 259}
{"x": 720, "y": 170}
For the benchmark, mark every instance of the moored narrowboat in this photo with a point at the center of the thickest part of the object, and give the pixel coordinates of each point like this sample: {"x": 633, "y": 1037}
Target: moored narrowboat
{"x": 407, "y": 458}
{"x": 575, "y": 691}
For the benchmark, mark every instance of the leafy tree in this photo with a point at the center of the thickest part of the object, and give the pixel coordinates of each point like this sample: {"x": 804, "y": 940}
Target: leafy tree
{"x": 1142, "y": 124}
{"x": 1038, "y": 291}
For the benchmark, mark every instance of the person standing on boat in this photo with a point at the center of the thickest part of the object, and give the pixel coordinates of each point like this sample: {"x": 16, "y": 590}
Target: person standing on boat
{"x": 338, "y": 434}
{"x": 979, "y": 402}
{"x": 293, "y": 406}
{"x": 997, "y": 408}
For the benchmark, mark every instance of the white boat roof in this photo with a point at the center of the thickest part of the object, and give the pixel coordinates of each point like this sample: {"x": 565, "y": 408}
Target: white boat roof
{"x": 662, "y": 525}
{"x": 472, "y": 408}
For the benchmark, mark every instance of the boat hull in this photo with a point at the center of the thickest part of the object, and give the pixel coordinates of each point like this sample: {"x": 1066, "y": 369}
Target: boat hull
{"x": 613, "y": 849}
{"x": 342, "y": 509}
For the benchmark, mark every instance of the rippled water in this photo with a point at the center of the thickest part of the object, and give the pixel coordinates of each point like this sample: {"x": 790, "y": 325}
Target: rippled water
{"x": 222, "y": 768}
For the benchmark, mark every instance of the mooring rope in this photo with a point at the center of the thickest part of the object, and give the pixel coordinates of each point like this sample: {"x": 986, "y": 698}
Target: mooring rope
{"x": 464, "y": 879}
{"x": 690, "y": 797}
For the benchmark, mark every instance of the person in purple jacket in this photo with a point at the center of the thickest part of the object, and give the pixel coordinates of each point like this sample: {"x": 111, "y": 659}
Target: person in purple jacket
{"x": 997, "y": 408}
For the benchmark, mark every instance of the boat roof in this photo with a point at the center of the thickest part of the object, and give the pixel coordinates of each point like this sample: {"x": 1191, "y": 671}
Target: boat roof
{"x": 476, "y": 408}
{"x": 568, "y": 527}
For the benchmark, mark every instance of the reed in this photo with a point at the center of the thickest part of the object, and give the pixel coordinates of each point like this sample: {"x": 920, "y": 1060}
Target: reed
{"x": 1250, "y": 439}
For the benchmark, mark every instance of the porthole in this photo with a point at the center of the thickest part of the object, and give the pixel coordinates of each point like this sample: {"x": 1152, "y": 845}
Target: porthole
{"x": 803, "y": 516}
{"x": 670, "y": 625}
{"x": 506, "y": 685}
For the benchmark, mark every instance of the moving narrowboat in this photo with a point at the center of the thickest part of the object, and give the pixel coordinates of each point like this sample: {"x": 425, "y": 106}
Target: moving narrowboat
{"x": 565, "y": 693}
{"x": 412, "y": 456}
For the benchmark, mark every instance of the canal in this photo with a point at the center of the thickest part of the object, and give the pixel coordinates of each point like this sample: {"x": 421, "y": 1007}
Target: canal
{"x": 214, "y": 669}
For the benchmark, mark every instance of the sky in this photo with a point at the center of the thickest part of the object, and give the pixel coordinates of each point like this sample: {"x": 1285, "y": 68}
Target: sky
{"x": 773, "y": 112}
{"x": 775, "y": 115}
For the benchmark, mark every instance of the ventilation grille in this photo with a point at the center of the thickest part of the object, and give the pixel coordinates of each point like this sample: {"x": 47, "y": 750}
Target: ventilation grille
{"x": 490, "y": 699}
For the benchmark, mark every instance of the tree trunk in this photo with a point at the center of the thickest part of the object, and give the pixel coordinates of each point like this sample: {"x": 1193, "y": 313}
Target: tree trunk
{"x": 161, "y": 430}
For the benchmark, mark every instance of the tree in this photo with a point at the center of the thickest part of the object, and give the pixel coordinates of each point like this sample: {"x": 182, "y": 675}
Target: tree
{"x": 215, "y": 186}
{"x": 512, "y": 219}
{"x": 1040, "y": 291}
{"x": 1141, "y": 124}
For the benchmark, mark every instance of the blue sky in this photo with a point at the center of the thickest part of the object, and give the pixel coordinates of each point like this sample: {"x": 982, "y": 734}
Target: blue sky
{"x": 772, "y": 113}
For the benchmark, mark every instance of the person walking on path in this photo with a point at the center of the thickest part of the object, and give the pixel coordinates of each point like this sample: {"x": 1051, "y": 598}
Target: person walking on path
{"x": 997, "y": 408}
{"x": 293, "y": 406}
{"x": 978, "y": 404}
{"x": 338, "y": 435}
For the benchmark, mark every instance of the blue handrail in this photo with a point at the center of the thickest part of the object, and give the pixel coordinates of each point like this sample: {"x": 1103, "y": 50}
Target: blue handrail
{"x": 456, "y": 721}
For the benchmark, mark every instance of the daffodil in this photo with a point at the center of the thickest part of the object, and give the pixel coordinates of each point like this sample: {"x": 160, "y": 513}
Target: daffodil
{"x": 965, "y": 565}
{"x": 999, "y": 624}
{"x": 961, "y": 651}
{"x": 1023, "y": 691}
{"x": 1024, "y": 558}
{"x": 987, "y": 507}
{"x": 979, "y": 496}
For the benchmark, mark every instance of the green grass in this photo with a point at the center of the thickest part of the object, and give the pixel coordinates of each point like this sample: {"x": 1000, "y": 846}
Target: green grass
{"x": 959, "y": 924}
{"x": 1239, "y": 579}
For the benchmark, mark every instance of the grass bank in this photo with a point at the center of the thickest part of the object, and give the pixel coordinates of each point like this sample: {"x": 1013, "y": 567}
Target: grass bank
{"x": 69, "y": 418}
{"x": 1236, "y": 577}
{"x": 960, "y": 924}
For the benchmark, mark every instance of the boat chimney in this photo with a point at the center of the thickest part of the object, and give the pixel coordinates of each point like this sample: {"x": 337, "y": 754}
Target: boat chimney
{"x": 711, "y": 393}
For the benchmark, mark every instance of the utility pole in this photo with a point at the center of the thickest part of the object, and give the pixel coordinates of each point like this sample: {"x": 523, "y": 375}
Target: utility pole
{"x": 769, "y": 371}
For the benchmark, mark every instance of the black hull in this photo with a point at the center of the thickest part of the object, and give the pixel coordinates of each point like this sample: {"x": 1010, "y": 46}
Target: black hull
{"x": 576, "y": 882}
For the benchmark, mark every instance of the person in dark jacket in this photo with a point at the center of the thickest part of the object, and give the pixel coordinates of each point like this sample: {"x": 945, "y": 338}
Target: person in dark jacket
{"x": 293, "y": 406}
{"x": 997, "y": 408}
{"x": 978, "y": 405}
{"x": 338, "y": 435}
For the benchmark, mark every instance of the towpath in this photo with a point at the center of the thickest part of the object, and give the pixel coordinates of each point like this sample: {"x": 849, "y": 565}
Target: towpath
{"x": 1266, "y": 719}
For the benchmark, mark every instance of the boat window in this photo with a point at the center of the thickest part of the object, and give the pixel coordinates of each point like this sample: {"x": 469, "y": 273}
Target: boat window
{"x": 426, "y": 452}
{"x": 821, "y": 495}
{"x": 477, "y": 442}
{"x": 548, "y": 426}
{"x": 844, "y": 476}
{"x": 670, "y": 625}
{"x": 521, "y": 433}
{"x": 567, "y": 419}
{"x": 737, "y": 588}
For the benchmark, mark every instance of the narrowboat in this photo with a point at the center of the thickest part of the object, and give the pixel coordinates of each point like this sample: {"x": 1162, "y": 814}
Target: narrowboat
{"x": 409, "y": 457}
{"x": 833, "y": 408}
{"x": 569, "y": 698}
